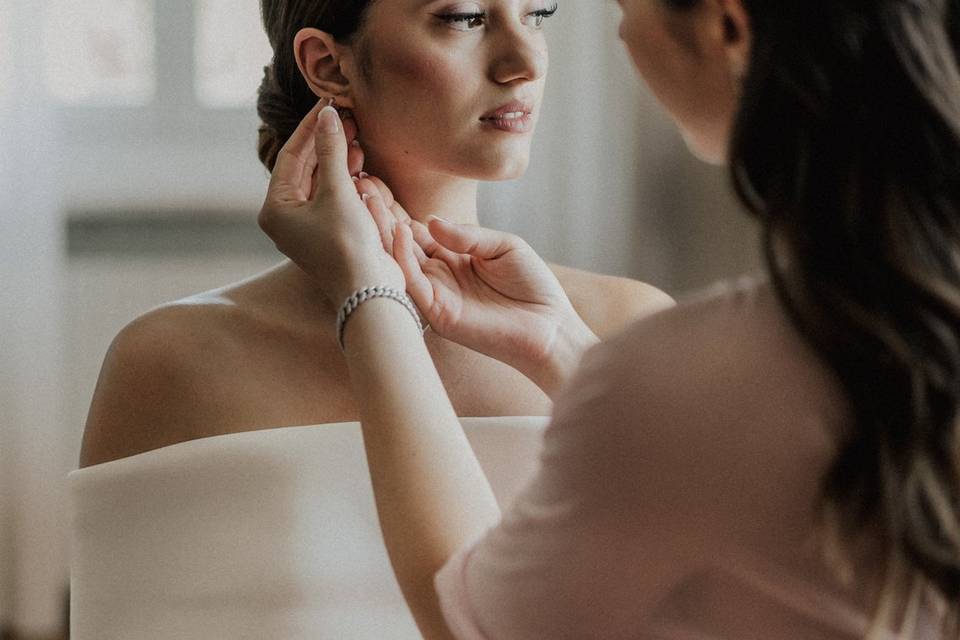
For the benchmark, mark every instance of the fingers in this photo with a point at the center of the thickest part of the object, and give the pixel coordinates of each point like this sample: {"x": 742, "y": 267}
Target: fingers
{"x": 296, "y": 162}
{"x": 418, "y": 285}
{"x": 388, "y": 215}
{"x": 368, "y": 184}
{"x": 400, "y": 213}
{"x": 332, "y": 173}
{"x": 382, "y": 187}
{"x": 422, "y": 237}
{"x": 349, "y": 127}
{"x": 479, "y": 242}
{"x": 386, "y": 223}
{"x": 365, "y": 185}
{"x": 418, "y": 252}
{"x": 355, "y": 158}
{"x": 387, "y": 212}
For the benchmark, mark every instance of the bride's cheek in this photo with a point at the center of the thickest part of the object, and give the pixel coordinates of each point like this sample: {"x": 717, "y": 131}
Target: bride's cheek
{"x": 422, "y": 76}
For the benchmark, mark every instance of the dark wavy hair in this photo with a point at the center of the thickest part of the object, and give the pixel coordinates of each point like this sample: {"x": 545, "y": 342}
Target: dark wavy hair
{"x": 284, "y": 98}
{"x": 846, "y": 148}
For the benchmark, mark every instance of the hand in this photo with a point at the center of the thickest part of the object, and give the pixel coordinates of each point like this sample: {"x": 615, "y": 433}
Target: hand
{"x": 488, "y": 291}
{"x": 314, "y": 216}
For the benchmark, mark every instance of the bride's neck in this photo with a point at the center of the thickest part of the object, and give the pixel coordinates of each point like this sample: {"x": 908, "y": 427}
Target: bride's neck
{"x": 423, "y": 194}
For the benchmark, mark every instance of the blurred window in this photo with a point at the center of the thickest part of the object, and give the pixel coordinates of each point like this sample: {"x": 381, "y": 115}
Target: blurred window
{"x": 99, "y": 52}
{"x": 157, "y": 95}
{"x": 230, "y": 53}
{"x": 200, "y": 54}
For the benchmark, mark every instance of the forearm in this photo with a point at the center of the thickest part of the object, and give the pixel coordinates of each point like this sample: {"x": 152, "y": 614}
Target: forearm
{"x": 431, "y": 494}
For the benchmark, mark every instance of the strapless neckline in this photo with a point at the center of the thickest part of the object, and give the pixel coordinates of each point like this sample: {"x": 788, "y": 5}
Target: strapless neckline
{"x": 271, "y": 533}
{"x": 207, "y": 441}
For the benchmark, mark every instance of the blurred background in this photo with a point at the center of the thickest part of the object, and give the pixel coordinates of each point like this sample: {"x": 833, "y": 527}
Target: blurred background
{"x": 129, "y": 177}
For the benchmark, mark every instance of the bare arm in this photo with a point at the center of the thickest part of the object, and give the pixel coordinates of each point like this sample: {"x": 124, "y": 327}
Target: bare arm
{"x": 432, "y": 496}
{"x": 430, "y": 492}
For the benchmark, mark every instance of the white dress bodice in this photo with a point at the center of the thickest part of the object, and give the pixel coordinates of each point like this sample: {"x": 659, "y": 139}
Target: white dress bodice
{"x": 253, "y": 535}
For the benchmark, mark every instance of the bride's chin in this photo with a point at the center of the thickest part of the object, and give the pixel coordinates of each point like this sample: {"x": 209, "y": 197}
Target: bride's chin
{"x": 705, "y": 149}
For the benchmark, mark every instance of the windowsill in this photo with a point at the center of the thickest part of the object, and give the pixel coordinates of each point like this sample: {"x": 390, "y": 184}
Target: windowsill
{"x": 168, "y": 233}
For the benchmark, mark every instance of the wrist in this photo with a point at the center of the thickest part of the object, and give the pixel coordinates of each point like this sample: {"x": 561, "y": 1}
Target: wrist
{"x": 366, "y": 274}
{"x": 557, "y": 365}
{"x": 369, "y": 293}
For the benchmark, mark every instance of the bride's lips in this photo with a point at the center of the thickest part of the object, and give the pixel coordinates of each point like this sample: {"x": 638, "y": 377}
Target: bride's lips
{"x": 513, "y": 117}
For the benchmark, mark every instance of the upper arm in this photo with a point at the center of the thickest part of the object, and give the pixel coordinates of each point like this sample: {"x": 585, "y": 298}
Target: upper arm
{"x": 147, "y": 390}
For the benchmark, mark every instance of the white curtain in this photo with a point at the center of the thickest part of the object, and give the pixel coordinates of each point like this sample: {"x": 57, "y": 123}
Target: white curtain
{"x": 32, "y": 436}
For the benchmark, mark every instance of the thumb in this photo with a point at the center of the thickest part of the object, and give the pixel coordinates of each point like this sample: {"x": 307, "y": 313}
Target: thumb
{"x": 332, "y": 173}
{"x": 477, "y": 241}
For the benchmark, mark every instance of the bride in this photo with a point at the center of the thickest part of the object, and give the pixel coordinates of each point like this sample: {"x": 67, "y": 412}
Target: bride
{"x": 220, "y": 494}
{"x": 439, "y": 108}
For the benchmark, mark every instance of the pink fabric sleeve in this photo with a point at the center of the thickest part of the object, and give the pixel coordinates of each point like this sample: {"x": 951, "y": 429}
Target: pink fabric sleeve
{"x": 666, "y": 459}
{"x": 554, "y": 567}
{"x": 454, "y": 601}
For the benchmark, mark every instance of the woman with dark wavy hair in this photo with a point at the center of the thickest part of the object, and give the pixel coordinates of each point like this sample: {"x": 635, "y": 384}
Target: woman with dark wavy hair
{"x": 776, "y": 459}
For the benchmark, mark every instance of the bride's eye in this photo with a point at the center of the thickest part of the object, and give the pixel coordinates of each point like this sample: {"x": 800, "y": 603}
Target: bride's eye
{"x": 464, "y": 21}
{"x": 536, "y": 18}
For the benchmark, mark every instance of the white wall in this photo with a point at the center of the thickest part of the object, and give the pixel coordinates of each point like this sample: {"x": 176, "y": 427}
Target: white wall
{"x": 31, "y": 254}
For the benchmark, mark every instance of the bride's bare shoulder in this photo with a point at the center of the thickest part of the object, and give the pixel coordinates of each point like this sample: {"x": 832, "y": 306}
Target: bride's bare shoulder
{"x": 197, "y": 331}
{"x": 610, "y": 303}
{"x": 157, "y": 377}
{"x": 182, "y": 370}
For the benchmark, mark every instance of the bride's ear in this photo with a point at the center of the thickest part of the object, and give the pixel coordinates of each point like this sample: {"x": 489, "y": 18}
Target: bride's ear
{"x": 318, "y": 57}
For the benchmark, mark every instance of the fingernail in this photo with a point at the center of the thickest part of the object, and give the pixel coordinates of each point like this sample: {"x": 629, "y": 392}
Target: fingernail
{"x": 329, "y": 120}
{"x": 355, "y": 179}
{"x": 355, "y": 143}
{"x": 364, "y": 174}
{"x": 364, "y": 196}
{"x": 443, "y": 220}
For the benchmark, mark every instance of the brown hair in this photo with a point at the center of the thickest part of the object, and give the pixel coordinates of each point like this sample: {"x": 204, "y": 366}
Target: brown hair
{"x": 284, "y": 98}
{"x": 859, "y": 198}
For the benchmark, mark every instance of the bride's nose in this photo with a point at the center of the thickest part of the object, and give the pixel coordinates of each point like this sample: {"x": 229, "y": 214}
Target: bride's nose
{"x": 518, "y": 55}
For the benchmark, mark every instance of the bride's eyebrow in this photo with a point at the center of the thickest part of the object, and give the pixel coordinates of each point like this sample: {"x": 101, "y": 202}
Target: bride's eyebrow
{"x": 424, "y": 3}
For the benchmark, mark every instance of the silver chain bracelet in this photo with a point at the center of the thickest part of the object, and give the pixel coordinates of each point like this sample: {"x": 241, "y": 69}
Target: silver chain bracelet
{"x": 370, "y": 293}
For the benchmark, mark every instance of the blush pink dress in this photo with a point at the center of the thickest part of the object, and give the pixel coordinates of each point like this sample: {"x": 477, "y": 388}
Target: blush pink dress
{"x": 676, "y": 495}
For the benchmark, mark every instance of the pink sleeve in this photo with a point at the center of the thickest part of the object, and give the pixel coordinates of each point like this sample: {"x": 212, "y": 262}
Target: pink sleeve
{"x": 555, "y": 566}
{"x": 660, "y": 449}
{"x": 454, "y": 600}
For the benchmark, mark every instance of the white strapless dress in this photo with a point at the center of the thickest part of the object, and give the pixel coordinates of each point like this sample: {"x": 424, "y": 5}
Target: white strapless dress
{"x": 255, "y": 535}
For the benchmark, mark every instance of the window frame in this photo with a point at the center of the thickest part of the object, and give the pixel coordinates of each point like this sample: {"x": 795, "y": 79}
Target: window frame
{"x": 174, "y": 111}
{"x": 168, "y": 127}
